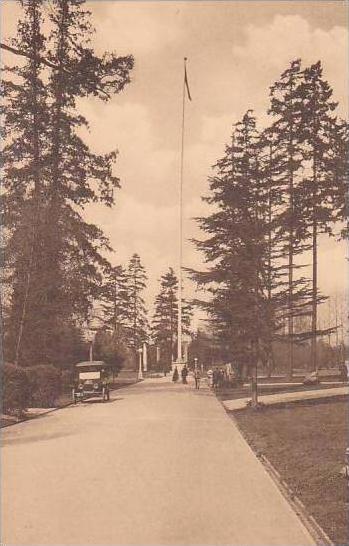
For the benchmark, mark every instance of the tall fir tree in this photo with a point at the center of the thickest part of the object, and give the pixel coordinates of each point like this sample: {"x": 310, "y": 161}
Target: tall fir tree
{"x": 316, "y": 189}
{"x": 165, "y": 319}
{"x": 138, "y": 325}
{"x": 275, "y": 273}
{"x": 236, "y": 249}
{"x": 67, "y": 249}
{"x": 337, "y": 167}
{"x": 286, "y": 136}
{"x": 25, "y": 114}
{"x": 116, "y": 300}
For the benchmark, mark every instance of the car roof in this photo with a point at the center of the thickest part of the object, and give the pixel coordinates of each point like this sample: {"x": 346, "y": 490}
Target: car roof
{"x": 89, "y": 363}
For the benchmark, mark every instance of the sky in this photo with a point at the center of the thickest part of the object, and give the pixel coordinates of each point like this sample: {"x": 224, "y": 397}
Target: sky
{"x": 235, "y": 50}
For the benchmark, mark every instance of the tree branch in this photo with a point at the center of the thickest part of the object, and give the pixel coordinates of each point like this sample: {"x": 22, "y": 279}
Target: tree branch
{"x": 43, "y": 60}
{"x": 28, "y": 55}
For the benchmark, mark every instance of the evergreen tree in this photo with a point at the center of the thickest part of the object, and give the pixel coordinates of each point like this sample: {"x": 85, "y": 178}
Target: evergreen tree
{"x": 116, "y": 300}
{"x": 275, "y": 292}
{"x": 316, "y": 189}
{"x": 138, "y": 325}
{"x": 288, "y": 158}
{"x": 25, "y": 114}
{"x": 205, "y": 348}
{"x": 111, "y": 348}
{"x": 54, "y": 257}
{"x": 337, "y": 163}
{"x": 236, "y": 248}
{"x": 165, "y": 320}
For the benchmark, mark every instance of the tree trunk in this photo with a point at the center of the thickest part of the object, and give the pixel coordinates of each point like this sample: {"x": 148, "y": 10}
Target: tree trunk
{"x": 314, "y": 362}
{"x": 37, "y": 180}
{"x": 254, "y": 382}
{"x": 270, "y": 308}
{"x": 290, "y": 270}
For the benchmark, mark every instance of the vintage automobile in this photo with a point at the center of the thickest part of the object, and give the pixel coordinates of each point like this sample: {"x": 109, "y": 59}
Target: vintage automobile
{"x": 92, "y": 381}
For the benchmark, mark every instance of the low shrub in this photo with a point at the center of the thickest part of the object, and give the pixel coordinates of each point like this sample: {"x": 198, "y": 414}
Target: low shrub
{"x": 45, "y": 385}
{"x": 15, "y": 389}
{"x": 67, "y": 379}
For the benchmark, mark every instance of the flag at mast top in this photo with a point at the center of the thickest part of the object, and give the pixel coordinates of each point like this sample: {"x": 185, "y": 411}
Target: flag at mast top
{"x": 186, "y": 78}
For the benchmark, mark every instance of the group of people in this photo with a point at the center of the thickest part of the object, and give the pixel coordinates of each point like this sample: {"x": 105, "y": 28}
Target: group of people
{"x": 184, "y": 375}
{"x": 217, "y": 378}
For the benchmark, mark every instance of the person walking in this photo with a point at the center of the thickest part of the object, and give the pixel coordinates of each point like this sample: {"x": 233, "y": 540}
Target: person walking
{"x": 215, "y": 378}
{"x": 210, "y": 378}
{"x": 221, "y": 378}
{"x": 175, "y": 376}
{"x": 197, "y": 377}
{"x": 184, "y": 374}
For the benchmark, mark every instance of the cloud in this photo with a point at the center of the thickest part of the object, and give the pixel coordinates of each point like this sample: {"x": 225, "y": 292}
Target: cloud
{"x": 141, "y": 30}
{"x": 147, "y": 171}
{"x": 134, "y": 226}
{"x": 268, "y": 50}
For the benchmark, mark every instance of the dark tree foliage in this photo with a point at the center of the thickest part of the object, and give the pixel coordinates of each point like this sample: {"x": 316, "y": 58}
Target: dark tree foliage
{"x": 205, "y": 348}
{"x": 138, "y": 323}
{"x": 165, "y": 319}
{"x": 53, "y": 259}
{"x": 237, "y": 248}
{"x": 116, "y": 309}
{"x": 286, "y": 108}
{"x": 272, "y": 194}
{"x": 337, "y": 174}
{"x": 319, "y": 140}
{"x": 26, "y": 117}
{"x": 110, "y": 347}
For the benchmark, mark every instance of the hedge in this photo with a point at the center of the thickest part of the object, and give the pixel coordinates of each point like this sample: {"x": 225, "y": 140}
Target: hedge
{"x": 45, "y": 385}
{"x": 16, "y": 389}
{"x": 67, "y": 379}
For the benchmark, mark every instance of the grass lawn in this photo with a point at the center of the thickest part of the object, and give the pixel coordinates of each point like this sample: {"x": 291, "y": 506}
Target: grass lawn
{"x": 306, "y": 443}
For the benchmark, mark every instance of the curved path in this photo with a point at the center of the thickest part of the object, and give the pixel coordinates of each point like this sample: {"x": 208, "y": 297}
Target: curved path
{"x": 159, "y": 464}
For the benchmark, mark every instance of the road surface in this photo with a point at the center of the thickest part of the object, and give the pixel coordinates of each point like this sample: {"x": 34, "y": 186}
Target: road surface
{"x": 159, "y": 464}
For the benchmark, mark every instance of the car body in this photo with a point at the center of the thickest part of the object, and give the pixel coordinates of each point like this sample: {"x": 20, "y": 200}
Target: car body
{"x": 92, "y": 381}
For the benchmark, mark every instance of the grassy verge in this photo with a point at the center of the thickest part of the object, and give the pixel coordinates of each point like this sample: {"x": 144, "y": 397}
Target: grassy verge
{"x": 306, "y": 444}
{"x": 6, "y": 420}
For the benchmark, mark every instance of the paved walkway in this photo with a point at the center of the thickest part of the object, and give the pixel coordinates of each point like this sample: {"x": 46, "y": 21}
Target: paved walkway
{"x": 161, "y": 464}
{"x": 269, "y": 399}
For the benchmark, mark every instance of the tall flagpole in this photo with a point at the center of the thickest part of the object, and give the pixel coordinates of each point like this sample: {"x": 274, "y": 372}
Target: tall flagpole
{"x": 179, "y": 332}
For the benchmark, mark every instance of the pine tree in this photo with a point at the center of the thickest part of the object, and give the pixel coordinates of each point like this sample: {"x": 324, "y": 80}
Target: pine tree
{"x": 25, "y": 114}
{"x": 286, "y": 136}
{"x": 316, "y": 189}
{"x": 165, "y": 320}
{"x": 236, "y": 249}
{"x": 138, "y": 325}
{"x": 54, "y": 257}
{"x": 77, "y": 176}
{"x": 116, "y": 300}
{"x": 274, "y": 279}
{"x": 337, "y": 163}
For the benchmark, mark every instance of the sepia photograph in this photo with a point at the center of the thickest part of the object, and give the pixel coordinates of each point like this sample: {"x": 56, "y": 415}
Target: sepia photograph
{"x": 174, "y": 273}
